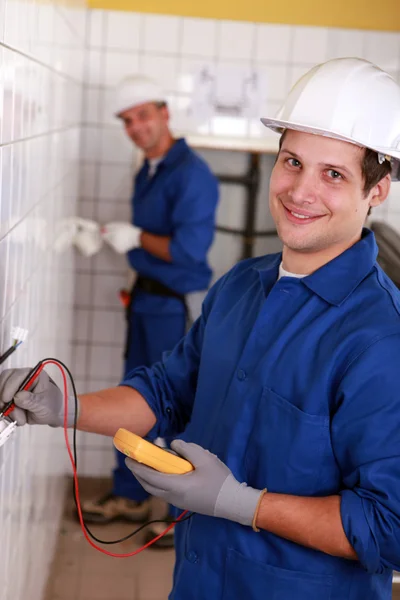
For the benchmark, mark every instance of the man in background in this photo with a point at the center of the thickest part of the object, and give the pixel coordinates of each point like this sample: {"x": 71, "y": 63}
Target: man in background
{"x": 174, "y": 204}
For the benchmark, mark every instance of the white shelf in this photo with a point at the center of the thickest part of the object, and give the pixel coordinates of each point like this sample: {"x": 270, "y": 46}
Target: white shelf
{"x": 262, "y": 145}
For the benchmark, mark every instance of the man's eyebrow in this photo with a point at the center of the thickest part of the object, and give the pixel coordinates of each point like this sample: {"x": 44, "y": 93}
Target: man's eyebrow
{"x": 289, "y": 152}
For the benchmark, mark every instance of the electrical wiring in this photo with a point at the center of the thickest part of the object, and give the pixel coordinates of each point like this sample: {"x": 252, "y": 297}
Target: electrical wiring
{"x": 18, "y": 335}
{"x": 72, "y": 453}
{"x": 8, "y": 352}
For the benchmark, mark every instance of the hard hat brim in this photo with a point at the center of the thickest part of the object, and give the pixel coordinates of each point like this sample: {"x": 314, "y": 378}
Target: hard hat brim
{"x": 119, "y": 112}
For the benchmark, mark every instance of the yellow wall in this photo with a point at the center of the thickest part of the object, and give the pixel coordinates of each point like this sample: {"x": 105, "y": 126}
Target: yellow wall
{"x": 360, "y": 14}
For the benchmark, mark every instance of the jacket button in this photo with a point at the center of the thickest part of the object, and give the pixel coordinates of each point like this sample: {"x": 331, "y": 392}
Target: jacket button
{"x": 192, "y": 557}
{"x": 241, "y": 375}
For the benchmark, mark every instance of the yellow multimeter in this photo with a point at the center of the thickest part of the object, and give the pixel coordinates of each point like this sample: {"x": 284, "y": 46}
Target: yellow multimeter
{"x": 149, "y": 454}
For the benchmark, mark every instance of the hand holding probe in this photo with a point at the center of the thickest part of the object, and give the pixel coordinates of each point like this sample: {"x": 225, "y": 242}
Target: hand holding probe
{"x": 25, "y": 385}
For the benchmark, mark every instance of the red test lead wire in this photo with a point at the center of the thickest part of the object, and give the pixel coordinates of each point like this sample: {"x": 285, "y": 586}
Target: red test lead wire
{"x": 25, "y": 385}
{"x": 71, "y": 458}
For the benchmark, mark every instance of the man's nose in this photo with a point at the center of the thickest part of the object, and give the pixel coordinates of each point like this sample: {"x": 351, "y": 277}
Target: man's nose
{"x": 303, "y": 189}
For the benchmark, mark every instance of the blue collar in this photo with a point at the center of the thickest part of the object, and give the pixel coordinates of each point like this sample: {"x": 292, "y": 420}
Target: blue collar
{"x": 337, "y": 280}
{"x": 177, "y": 151}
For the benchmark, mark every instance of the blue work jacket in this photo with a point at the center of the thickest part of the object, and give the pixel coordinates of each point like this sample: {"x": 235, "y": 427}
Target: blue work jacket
{"x": 294, "y": 384}
{"x": 179, "y": 201}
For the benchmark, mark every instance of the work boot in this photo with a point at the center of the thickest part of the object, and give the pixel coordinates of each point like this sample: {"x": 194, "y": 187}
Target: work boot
{"x": 153, "y": 530}
{"x": 115, "y": 508}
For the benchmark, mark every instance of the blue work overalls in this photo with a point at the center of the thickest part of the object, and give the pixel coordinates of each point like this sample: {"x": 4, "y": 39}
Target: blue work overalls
{"x": 179, "y": 201}
{"x": 294, "y": 384}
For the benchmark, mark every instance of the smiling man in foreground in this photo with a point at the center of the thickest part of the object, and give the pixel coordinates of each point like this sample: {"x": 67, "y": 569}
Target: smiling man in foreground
{"x": 285, "y": 391}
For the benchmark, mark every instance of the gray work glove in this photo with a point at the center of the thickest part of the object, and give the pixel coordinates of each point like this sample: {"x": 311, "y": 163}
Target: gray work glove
{"x": 210, "y": 489}
{"x": 42, "y": 405}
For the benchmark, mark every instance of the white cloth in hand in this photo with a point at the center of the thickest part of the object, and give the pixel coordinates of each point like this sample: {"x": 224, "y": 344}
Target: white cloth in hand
{"x": 121, "y": 236}
{"x": 88, "y": 238}
{"x": 82, "y": 233}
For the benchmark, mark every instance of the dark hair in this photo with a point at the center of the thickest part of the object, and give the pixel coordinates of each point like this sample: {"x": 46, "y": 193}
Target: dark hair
{"x": 284, "y": 132}
{"x": 160, "y": 104}
{"x": 372, "y": 171}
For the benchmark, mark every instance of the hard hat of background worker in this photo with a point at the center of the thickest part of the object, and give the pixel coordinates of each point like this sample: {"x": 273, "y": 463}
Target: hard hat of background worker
{"x": 135, "y": 90}
{"x": 348, "y": 99}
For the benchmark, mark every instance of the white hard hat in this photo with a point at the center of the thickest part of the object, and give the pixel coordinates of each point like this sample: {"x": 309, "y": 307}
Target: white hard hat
{"x": 347, "y": 99}
{"x": 136, "y": 90}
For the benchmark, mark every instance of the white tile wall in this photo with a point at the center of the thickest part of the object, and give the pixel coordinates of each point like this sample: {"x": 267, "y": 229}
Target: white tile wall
{"x": 173, "y": 49}
{"x": 236, "y": 40}
{"x": 117, "y": 65}
{"x": 162, "y": 34}
{"x": 41, "y": 60}
{"x": 163, "y": 68}
{"x": 345, "y": 42}
{"x": 123, "y": 31}
{"x": 309, "y": 45}
{"x": 199, "y": 37}
{"x": 95, "y": 34}
{"x": 274, "y": 43}
{"x": 382, "y": 48}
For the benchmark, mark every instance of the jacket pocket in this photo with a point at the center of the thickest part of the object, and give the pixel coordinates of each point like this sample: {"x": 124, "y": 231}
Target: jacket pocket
{"x": 286, "y": 448}
{"x": 253, "y": 580}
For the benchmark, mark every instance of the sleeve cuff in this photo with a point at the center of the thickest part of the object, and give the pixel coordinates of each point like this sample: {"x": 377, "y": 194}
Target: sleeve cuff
{"x": 360, "y": 534}
{"x": 164, "y": 413}
{"x": 176, "y": 253}
{"x": 182, "y": 254}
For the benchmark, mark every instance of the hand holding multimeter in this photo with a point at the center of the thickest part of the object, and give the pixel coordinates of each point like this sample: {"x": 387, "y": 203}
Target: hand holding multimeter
{"x": 196, "y": 480}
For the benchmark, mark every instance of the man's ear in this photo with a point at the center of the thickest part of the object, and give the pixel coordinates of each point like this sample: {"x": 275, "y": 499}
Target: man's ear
{"x": 380, "y": 191}
{"x": 165, "y": 112}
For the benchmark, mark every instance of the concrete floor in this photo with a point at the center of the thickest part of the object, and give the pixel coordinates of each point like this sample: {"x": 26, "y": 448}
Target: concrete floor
{"x": 79, "y": 572}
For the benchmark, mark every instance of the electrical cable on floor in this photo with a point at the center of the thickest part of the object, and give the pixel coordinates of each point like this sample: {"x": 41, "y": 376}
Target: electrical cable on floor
{"x": 34, "y": 373}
